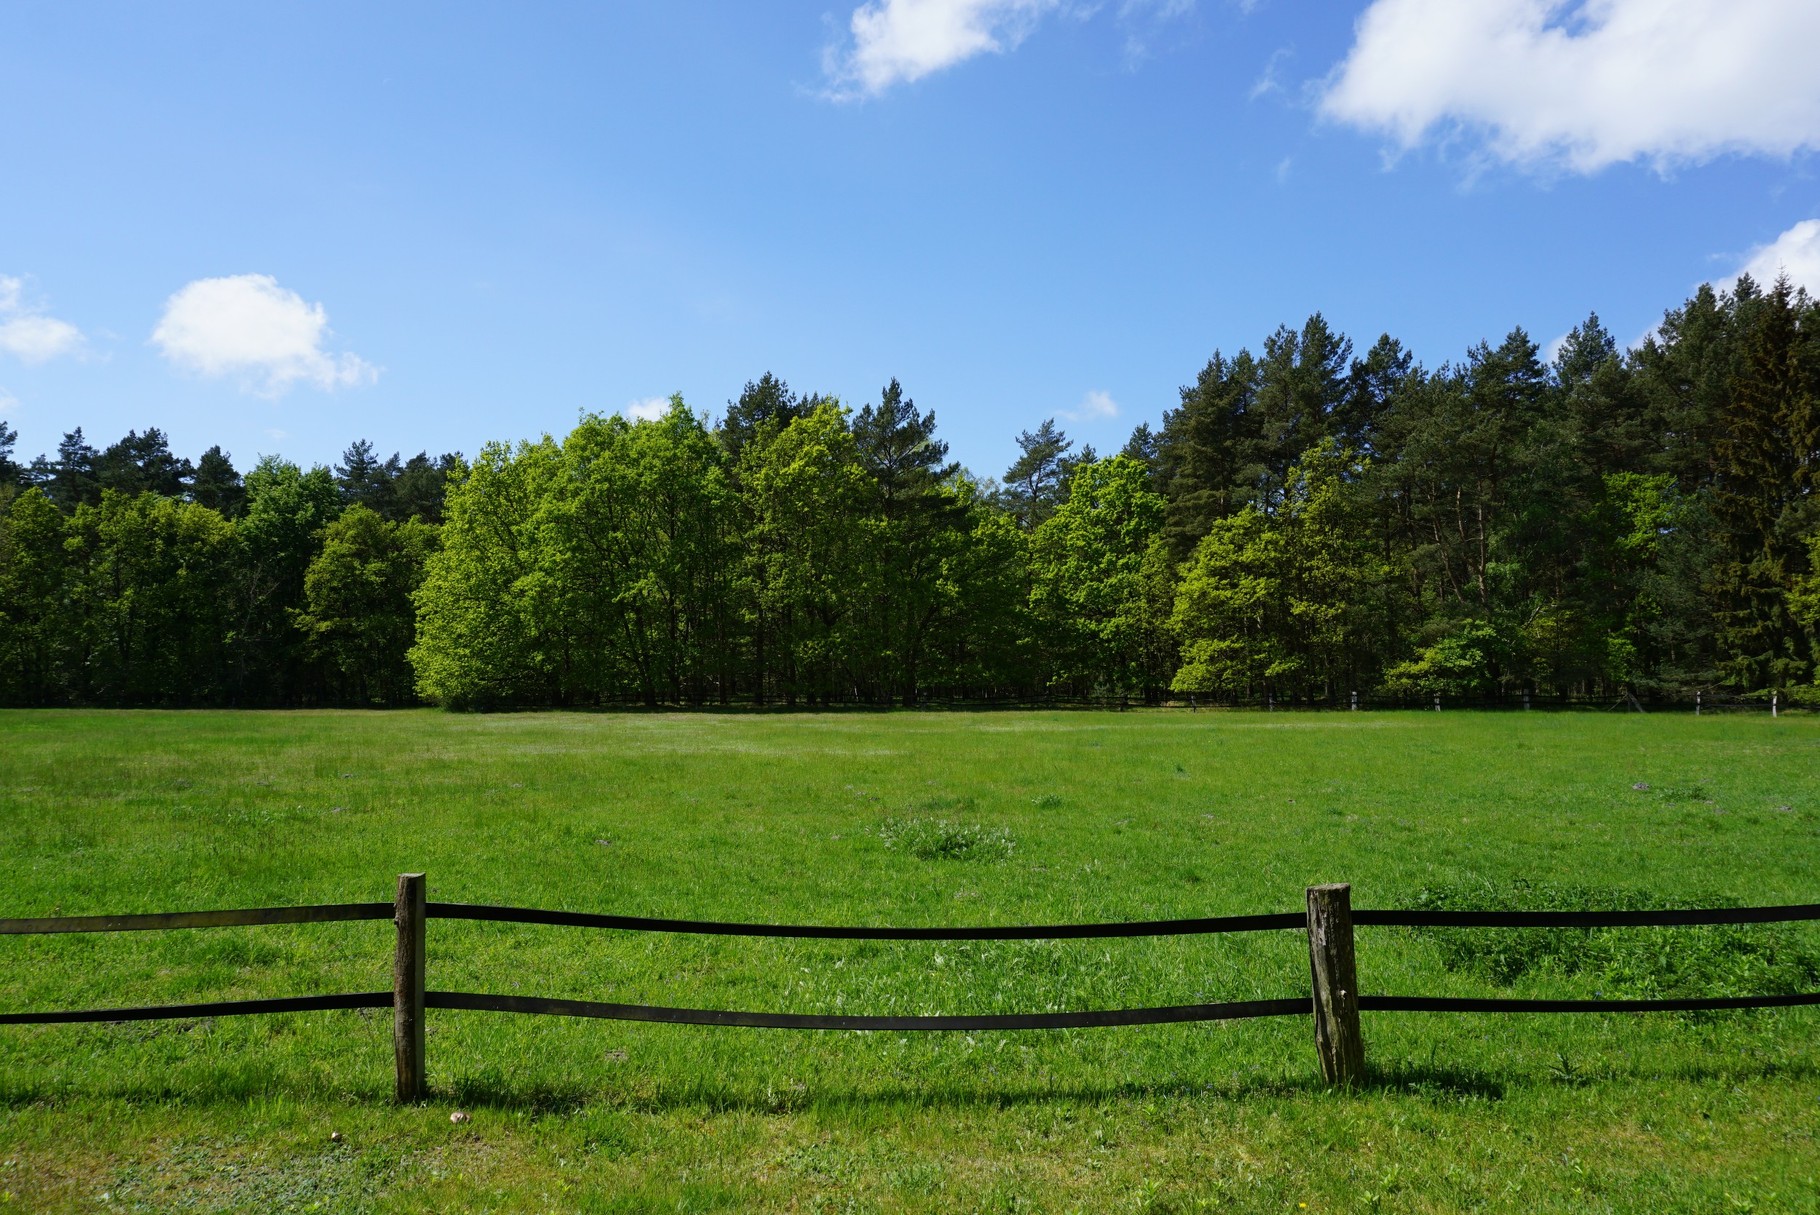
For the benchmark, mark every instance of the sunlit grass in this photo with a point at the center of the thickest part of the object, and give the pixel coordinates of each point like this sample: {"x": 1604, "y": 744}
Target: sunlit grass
{"x": 932, "y": 818}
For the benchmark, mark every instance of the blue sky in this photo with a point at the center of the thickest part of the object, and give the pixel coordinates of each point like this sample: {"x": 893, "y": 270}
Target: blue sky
{"x": 281, "y": 227}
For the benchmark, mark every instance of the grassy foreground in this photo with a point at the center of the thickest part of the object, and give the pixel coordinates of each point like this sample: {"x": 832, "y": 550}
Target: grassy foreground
{"x": 905, "y": 819}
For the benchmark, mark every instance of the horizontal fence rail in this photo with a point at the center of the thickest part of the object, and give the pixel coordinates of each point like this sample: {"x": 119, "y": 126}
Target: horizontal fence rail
{"x": 1333, "y": 1001}
{"x": 1173, "y": 1015}
{"x": 320, "y": 914}
{"x": 1039, "y": 932}
{"x": 1589, "y": 919}
{"x": 1480, "y": 1005}
{"x": 220, "y": 1008}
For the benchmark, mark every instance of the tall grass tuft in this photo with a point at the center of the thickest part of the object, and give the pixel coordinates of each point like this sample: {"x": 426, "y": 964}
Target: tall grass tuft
{"x": 937, "y": 839}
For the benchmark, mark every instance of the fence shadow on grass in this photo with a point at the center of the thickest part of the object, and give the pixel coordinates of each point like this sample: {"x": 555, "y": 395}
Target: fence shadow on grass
{"x": 233, "y": 1088}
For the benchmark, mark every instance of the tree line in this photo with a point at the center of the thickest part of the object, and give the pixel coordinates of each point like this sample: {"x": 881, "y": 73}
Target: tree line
{"x": 1307, "y": 521}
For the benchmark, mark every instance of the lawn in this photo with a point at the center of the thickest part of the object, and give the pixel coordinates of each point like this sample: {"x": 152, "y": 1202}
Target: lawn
{"x": 906, "y": 818}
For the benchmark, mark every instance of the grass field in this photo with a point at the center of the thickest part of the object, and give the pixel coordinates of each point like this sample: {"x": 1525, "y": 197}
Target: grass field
{"x": 905, "y": 819}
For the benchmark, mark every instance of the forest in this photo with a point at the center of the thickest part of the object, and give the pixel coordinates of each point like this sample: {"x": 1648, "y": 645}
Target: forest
{"x": 1308, "y": 521}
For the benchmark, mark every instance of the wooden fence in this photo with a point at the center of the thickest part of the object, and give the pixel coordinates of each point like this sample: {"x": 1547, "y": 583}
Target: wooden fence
{"x": 1334, "y": 1001}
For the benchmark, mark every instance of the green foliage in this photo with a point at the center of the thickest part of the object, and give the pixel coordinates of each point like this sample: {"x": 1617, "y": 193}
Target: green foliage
{"x": 1035, "y": 482}
{"x": 477, "y": 644}
{"x": 358, "y": 615}
{"x": 1804, "y": 596}
{"x": 634, "y": 557}
{"x": 1286, "y": 601}
{"x": 1306, "y": 522}
{"x": 1766, "y": 454}
{"x": 1093, "y": 580}
{"x": 144, "y": 584}
{"x": 804, "y": 559}
{"x": 1462, "y": 662}
{"x": 34, "y": 664}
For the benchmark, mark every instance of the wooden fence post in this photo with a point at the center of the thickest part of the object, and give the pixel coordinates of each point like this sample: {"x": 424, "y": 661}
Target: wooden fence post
{"x": 1336, "y": 985}
{"x": 407, "y": 988}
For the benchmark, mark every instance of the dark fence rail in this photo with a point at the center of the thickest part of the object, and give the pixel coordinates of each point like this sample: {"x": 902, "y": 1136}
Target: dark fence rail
{"x": 1686, "y": 917}
{"x": 1333, "y": 1000}
{"x": 1176, "y": 1014}
{"x": 1040, "y": 932}
{"x": 1480, "y": 1005}
{"x": 321, "y": 914}
{"x": 219, "y": 1008}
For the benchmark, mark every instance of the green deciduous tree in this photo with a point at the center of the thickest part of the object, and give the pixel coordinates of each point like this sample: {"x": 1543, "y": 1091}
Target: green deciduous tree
{"x": 34, "y": 615}
{"x": 358, "y": 618}
{"x": 490, "y": 627}
{"x": 146, "y": 576}
{"x": 805, "y": 564}
{"x": 1287, "y": 602}
{"x": 286, "y": 510}
{"x": 1092, "y": 575}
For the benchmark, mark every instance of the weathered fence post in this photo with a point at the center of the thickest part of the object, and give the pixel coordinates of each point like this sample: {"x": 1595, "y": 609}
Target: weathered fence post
{"x": 1696, "y": 704}
{"x": 1355, "y": 702}
{"x": 407, "y": 988}
{"x": 1437, "y": 702}
{"x": 1775, "y": 704}
{"x": 1336, "y": 985}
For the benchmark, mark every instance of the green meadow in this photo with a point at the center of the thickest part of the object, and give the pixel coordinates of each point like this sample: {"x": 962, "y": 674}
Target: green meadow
{"x": 907, "y": 819}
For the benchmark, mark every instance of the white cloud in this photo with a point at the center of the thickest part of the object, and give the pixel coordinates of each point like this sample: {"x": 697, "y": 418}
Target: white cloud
{"x": 26, "y": 332}
{"x": 891, "y": 42}
{"x": 7, "y": 401}
{"x": 1795, "y": 253}
{"x": 247, "y": 325}
{"x": 650, "y": 409}
{"x": 1096, "y": 406}
{"x": 898, "y": 41}
{"x": 1587, "y": 83}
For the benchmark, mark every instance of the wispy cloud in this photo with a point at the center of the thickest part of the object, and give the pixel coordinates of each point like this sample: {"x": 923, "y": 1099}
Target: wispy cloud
{"x": 1096, "y": 406}
{"x": 27, "y": 332}
{"x": 1583, "y": 84}
{"x": 7, "y": 401}
{"x": 1268, "y": 80}
{"x": 247, "y": 325}
{"x": 1145, "y": 22}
